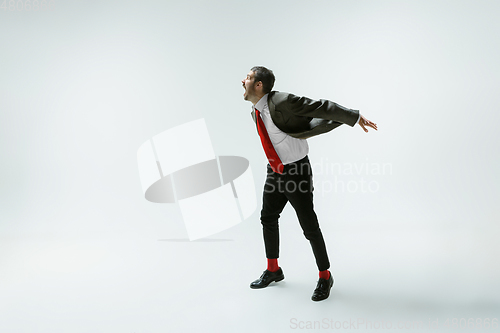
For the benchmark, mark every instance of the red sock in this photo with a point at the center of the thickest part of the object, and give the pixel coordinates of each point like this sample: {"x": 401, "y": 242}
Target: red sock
{"x": 272, "y": 265}
{"x": 324, "y": 274}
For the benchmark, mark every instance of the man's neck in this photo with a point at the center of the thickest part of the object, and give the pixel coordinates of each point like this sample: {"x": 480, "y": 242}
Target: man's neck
{"x": 261, "y": 103}
{"x": 257, "y": 98}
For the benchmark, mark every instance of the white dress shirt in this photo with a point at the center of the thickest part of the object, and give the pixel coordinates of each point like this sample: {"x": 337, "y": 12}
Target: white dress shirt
{"x": 288, "y": 148}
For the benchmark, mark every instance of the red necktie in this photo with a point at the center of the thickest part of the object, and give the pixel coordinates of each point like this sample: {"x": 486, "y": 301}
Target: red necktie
{"x": 272, "y": 155}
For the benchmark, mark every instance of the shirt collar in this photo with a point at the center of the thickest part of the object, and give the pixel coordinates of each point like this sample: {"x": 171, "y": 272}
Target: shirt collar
{"x": 262, "y": 103}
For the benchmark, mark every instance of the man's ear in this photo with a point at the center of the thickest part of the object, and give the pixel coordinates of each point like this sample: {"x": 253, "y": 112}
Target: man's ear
{"x": 259, "y": 85}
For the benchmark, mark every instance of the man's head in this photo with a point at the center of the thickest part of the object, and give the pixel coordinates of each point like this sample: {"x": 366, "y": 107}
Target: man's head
{"x": 258, "y": 82}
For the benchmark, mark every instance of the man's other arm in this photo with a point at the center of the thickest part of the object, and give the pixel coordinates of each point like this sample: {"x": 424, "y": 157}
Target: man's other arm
{"x": 325, "y": 109}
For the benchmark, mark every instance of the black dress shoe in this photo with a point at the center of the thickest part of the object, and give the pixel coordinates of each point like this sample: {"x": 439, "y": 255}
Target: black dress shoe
{"x": 266, "y": 278}
{"x": 322, "y": 290}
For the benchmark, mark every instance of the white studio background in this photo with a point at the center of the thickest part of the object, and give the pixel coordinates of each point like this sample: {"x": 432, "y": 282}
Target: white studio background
{"x": 84, "y": 84}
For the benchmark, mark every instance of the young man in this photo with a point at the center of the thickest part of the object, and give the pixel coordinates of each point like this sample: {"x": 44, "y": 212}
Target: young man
{"x": 284, "y": 121}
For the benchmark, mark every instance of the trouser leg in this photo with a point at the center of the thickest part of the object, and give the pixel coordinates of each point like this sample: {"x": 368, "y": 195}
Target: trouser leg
{"x": 299, "y": 191}
{"x": 273, "y": 202}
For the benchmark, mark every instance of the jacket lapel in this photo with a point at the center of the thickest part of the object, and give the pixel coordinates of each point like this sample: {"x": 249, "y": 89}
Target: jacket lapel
{"x": 254, "y": 119}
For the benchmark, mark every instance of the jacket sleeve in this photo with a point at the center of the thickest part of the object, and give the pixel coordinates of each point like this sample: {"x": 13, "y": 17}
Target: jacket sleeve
{"x": 325, "y": 109}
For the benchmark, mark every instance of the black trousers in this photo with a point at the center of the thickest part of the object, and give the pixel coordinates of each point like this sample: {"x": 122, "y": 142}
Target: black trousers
{"x": 294, "y": 186}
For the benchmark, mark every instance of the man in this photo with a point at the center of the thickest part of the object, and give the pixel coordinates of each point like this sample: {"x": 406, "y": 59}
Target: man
{"x": 284, "y": 121}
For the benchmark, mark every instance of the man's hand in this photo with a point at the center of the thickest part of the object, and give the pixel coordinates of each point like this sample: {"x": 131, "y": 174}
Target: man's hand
{"x": 365, "y": 122}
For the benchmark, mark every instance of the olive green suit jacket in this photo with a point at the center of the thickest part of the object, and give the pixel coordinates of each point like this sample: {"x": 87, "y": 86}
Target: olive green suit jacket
{"x": 302, "y": 117}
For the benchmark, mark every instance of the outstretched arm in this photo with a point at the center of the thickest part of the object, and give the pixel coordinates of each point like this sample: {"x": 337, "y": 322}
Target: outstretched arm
{"x": 363, "y": 122}
{"x": 324, "y": 109}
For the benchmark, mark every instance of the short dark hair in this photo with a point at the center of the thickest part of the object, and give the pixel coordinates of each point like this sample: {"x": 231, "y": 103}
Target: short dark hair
{"x": 264, "y": 75}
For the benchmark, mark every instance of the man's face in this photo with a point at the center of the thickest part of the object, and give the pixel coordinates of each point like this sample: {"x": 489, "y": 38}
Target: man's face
{"x": 249, "y": 86}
